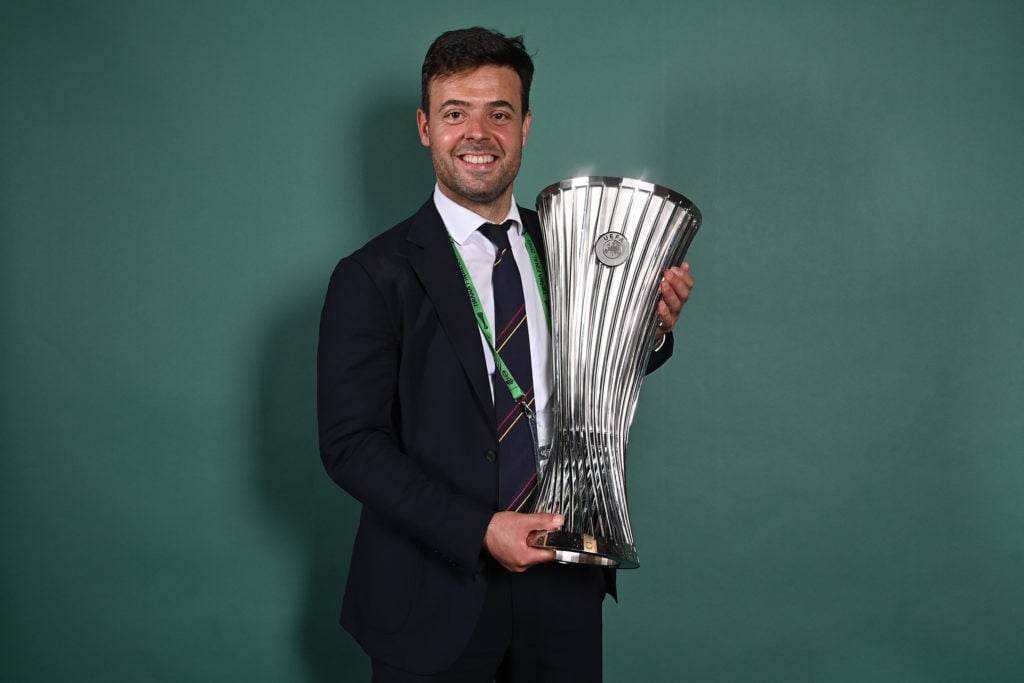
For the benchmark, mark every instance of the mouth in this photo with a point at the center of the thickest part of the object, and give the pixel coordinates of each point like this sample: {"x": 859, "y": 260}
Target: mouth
{"x": 478, "y": 159}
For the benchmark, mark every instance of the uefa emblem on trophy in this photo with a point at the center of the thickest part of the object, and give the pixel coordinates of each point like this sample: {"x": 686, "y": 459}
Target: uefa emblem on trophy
{"x": 608, "y": 241}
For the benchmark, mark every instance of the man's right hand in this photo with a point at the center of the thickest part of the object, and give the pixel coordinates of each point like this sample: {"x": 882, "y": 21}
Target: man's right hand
{"x": 509, "y": 534}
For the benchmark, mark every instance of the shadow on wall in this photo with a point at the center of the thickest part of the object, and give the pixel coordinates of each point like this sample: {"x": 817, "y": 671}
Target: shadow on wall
{"x": 827, "y": 446}
{"x": 394, "y": 178}
{"x": 397, "y": 176}
{"x": 317, "y": 519}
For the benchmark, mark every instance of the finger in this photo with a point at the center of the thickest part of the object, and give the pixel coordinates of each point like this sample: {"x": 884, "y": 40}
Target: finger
{"x": 681, "y": 287}
{"x": 535, "y": 555}
{"x": 684, "y": 280}
{"x": 686, "y": 276}
{"x": 528, "y": 559}
{"x": 548, "y": 555}
{"x": 545, "y": 522}
{"x": 672, "y": 303}
{"x": 681, "y": 280}
{"x": 557, "y": 521}
{"x": 666, "y": 320}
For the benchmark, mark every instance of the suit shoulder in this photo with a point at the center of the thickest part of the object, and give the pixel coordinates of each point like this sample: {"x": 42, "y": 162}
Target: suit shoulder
{"x": 398, "y": 241}
{"x": 528, "y": 215}
{"x": 391, "y": 241}
{"x": 385, "y": 259}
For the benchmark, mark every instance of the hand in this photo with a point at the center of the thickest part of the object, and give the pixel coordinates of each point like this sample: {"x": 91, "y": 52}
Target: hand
{"x": 676, "y": 284}
{"x": 508, "y": 539}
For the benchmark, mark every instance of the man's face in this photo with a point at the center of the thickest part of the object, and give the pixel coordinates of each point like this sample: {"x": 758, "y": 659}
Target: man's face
{"x": 476, "y": 132}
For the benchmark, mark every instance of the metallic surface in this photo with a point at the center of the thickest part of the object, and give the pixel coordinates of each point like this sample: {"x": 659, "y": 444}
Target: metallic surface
{"x": 603, "y": 324}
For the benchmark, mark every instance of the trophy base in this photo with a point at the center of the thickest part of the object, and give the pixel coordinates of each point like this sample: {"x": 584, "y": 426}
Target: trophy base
{"x": 573, "y": 547}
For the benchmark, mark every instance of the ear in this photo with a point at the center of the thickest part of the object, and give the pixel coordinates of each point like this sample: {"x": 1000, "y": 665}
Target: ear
{"x": 526, "y": 126}
{"x": 422, "y": 127}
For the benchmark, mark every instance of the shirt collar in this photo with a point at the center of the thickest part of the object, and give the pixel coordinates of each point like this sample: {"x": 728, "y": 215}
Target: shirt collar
{"x": 461, "y": 222}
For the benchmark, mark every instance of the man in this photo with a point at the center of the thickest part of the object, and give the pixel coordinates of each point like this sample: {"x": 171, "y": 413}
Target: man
{"x": 443, "y": 584}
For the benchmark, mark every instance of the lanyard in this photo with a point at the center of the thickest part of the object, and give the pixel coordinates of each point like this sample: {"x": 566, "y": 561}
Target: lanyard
{"x": 485, "y": 324}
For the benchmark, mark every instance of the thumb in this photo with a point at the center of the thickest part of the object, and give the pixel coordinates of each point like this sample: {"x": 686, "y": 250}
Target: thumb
{"x": 547, "y": 522}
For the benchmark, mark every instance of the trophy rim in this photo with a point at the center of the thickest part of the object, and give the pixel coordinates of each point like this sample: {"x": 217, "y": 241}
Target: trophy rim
{"x": 615, "y": 181}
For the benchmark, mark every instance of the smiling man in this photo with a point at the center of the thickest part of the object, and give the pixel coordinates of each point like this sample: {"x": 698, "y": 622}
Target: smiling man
{"x": 476, "y": 124}
{"x": 417, "y": 424}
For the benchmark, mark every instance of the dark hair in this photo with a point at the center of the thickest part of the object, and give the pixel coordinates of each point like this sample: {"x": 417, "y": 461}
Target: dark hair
{"x": 469, "y": 48}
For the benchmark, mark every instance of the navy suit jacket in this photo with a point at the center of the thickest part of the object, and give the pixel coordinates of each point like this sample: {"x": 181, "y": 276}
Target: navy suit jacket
{"x": 407, "y": 427}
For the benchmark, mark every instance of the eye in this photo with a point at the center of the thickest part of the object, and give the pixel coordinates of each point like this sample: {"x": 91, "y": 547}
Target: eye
{"x": 453, "y": 116}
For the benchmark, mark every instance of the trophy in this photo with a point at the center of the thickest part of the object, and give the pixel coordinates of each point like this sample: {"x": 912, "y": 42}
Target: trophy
{"x": 608, "y": 240}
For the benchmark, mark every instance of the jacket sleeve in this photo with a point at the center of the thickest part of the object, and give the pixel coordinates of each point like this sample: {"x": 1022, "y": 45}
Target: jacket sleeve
{"x": 358, "y": 361}
{"x": 659, "y": 357}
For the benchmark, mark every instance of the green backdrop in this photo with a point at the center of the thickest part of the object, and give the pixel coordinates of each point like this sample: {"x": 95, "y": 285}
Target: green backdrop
{"x": 826, "y": 482}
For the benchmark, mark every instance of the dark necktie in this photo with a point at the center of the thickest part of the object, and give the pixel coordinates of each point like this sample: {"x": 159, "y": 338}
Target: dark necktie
{"x": 517, "y": 471}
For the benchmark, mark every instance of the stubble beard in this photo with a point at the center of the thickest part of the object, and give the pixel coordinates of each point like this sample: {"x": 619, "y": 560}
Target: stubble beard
{"x": 484, "y": 192}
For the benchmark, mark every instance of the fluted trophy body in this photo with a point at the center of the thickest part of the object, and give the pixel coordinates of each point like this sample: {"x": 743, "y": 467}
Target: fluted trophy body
{"x": 608, "y": 240}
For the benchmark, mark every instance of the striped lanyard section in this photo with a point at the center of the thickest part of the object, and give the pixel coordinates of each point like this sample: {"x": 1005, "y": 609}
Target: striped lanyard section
{"x": 485, "y": 324}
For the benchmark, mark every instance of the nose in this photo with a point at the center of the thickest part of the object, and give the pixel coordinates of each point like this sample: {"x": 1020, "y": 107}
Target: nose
{"x": 476, "y": 128}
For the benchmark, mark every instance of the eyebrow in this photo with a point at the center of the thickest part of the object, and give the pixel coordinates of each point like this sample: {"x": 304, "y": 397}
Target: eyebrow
{"x": 463, "y": 103}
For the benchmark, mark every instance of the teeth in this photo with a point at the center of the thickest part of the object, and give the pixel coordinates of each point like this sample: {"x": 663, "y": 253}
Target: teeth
{"x": 474, "y": 159}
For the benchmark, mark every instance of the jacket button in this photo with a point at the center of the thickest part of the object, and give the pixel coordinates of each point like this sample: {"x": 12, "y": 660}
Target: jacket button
{"x": 490, "y": 455}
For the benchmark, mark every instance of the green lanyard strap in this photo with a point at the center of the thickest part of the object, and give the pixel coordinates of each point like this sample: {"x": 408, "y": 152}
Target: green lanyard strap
{"x": 485, "y": 324}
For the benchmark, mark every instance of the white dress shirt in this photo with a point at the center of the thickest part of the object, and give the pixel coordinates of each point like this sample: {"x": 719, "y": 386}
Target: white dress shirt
{"x": 479, "y": 253}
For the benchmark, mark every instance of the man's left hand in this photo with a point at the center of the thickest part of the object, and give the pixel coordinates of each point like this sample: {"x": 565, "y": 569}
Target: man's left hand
{"x": 676, "y": 285}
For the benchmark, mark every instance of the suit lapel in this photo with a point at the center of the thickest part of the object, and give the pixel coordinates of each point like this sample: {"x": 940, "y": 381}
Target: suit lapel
{"x": 438, "y": 270}
{"x": 532, "y": 226}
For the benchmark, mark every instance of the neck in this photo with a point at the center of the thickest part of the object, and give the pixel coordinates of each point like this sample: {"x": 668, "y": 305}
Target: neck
{"x": 494, "y": 211}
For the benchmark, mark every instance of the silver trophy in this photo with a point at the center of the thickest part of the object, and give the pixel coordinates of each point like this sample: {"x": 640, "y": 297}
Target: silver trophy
{"x": 608, "y": 241}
